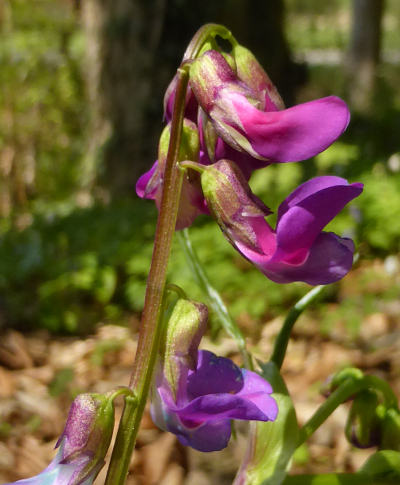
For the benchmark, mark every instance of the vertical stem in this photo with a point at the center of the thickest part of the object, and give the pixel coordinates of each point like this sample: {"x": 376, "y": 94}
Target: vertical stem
{"x": 149, "y": 335}
{"x": 282, "y": 340}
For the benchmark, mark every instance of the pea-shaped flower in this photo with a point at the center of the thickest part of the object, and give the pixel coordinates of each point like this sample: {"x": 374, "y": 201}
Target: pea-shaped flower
{"x": 298, "y": 249}
{"x": 196, "y": 393}
{"x": 247, "y": 112}
{"x": 82, "y": 445}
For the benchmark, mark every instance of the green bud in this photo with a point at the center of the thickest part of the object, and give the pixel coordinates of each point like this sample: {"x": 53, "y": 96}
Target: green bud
{"x": 391, "y": 430}
{"x": 87, "y": 433}
{"x": 363, "y": 424}
{"x": 250, "y": 72}
{"x": 189, "y": 147}
{"x": 212, "y": 72}
{"x": 184, "y": 331}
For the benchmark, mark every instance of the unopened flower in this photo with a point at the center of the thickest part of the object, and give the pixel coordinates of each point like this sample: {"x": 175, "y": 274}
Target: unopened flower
{"x": 298, "y": 249}
{"x": 191, "y": 104}
{"x": 252, "y": 121}
{"x": 149, "y": 185}
{"x": 82, "y": 445}
{"x": 196, "y": 393}
{"x": 363, "y": 423}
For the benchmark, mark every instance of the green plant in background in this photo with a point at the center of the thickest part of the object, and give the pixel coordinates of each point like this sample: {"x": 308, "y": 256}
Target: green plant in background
{"x": 241, "y": 125}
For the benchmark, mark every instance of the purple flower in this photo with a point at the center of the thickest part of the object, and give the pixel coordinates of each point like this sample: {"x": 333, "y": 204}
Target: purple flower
{"x": 82, "y": 445}
{"x": 216, "y": 391}
{"x": 251, "y": 120}
{"x": 149, "y": 185}
{"x": 196, "y": 393}
{"x": 297, "y": 250}
{"x": 191, "y": 104}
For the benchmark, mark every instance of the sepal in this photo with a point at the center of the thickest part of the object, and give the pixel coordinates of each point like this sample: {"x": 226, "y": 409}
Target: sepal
{"x": 184, "y": 331}
{"x": 363, "y": 423}
{"x": 232, "y": 203}
{"x": 272, "y": 444}
{"x": 250, "y": 71}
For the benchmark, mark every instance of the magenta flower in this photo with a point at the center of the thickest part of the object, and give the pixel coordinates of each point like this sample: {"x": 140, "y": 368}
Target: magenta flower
{"x": 253, "y": 122}
{"x": 298, "y": 250}
{"x": 216, "y": 391}
{"x": 241, "y": 117}
{"x": 82, "y": 445}
{"x": 191, "y": 104}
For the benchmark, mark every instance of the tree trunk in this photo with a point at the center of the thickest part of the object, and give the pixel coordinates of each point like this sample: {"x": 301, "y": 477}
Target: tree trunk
{"x": 364, "y": 52}
{"x": 122, "y": 39}
{"x": 133, "y": 50}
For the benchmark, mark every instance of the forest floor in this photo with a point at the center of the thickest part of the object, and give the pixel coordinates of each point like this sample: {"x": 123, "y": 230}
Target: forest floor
{"x": 40, "y": 374}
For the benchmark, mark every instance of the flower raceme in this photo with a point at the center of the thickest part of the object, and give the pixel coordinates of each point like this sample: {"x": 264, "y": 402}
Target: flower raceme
{"x": 196, "y": 394}
{"x": 298, "y": 249}
{"x": 237, "y": 114}
{"x": 250, "y": 118}
{"x": 82, "y": 445}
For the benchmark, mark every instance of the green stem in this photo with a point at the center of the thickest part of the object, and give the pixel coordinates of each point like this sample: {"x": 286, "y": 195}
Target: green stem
{"x": 202, "y": 35}
{"x": 335, "y": 479}
{"x": 214, "y": 298}
{"x": 390, "y": 398}
{"x": 282, "y": 340}
{"x": 338, "y": 396}
{"x": 150, "y": 329}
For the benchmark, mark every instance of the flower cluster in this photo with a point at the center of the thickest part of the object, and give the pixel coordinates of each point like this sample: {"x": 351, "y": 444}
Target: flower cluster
{"x": 234, "y": 117}
{"x": 196, "y": 394}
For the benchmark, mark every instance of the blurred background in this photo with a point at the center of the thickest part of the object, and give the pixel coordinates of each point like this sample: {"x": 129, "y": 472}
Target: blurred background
{"x": 82, "y": 83}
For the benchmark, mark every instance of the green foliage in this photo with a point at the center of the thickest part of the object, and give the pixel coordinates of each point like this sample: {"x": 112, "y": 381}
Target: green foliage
{"x": 72, "y": 267}
{"x": 42, "y": 110}
{"x": 61, "y": 381}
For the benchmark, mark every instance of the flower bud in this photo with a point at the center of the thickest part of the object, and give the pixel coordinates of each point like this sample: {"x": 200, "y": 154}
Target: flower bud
{"x": 89, "y": 426}
{"x": 149, "y": 186}
{"x": 189, "y": 146}
{"x": 391, "y": 430}
{"x": 209, "y": 74}
{"x": 185, "y": 329}
{"x": 169, "y": 99}
{"x": 251, "y": 73}
{"x": 232, "y": 203}
{"x": 363, "y": 424}
{"x": 82, "y": 445}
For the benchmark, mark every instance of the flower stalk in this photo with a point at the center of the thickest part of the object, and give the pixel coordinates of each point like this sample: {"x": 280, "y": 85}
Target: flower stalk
{"x": 150, "y": 330}
{"x": 283, "y": 337}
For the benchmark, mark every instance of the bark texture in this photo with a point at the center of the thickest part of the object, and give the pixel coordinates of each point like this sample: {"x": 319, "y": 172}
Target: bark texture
{"x": 364, "y": 52}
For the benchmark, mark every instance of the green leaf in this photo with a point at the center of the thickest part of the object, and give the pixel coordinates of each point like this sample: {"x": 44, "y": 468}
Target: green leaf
{"x": 383, "y": 465}
{"x": 274, "y": 442}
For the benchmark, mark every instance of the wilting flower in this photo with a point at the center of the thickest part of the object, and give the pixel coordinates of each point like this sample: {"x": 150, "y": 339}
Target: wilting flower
{"x": 82, "y": 445}
{"x": 247, "y": 113}
{"x": 298, "y": 249}
{"x": 197, "y": 394}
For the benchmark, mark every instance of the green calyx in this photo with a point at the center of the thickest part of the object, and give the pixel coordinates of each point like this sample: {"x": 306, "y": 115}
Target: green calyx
{"x": 231, "y": 202}
{"x": 362, "y": 427}
{"x": 183, "y": 333}
{"x": 190, "y": 143}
